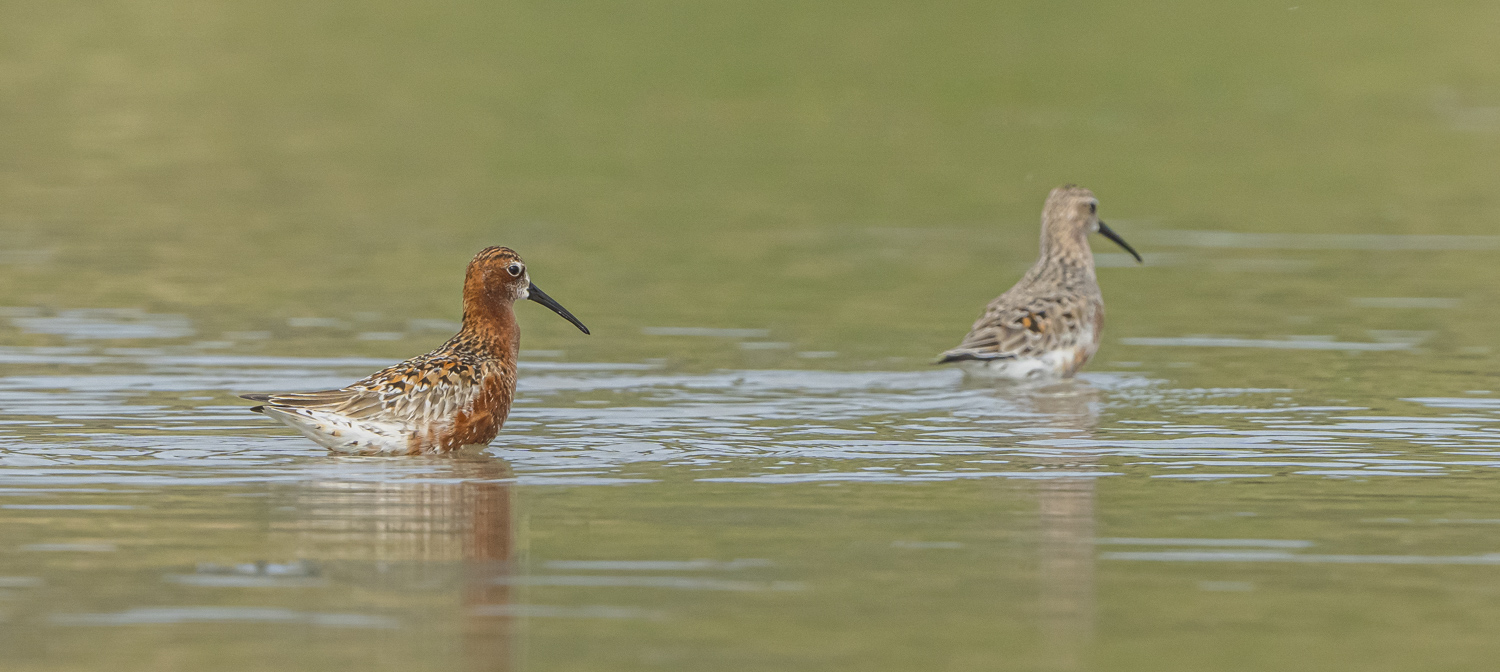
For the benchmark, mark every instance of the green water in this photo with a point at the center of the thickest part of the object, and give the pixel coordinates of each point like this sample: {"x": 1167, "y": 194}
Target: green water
{"x": 1284, "y": 456}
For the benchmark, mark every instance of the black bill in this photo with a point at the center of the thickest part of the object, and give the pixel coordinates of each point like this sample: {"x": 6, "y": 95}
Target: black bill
{"x": 541, "y": 297}
{"x": 1107, "y": 233}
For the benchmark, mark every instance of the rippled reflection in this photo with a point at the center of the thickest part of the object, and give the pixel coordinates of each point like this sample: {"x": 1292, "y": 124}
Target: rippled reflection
{"x": 714, "y": 474}
{"x": 1066, "y": 518}
{"x": 599, "y": 424}
{"x": 461, "y": 513}
{"x": 488, "y": 558}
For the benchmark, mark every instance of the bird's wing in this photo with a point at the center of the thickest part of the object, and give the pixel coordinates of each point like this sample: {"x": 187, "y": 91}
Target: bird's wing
{"x": 1019, "y": 327}
{"x": 416, "y": 392}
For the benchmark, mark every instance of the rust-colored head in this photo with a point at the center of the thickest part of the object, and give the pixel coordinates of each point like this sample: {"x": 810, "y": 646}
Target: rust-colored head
{"x": 497, "y": 278}
{"x": 1069, "y": 216}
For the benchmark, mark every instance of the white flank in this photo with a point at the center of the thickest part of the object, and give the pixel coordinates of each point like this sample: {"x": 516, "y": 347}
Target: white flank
{"x": 1053, "y": 364}
{"x": 338, "y": 433}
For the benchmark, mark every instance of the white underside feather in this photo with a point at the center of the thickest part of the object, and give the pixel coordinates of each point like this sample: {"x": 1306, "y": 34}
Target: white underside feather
{"x": 338, "y": 433}
{"x": 1053, "y": 364}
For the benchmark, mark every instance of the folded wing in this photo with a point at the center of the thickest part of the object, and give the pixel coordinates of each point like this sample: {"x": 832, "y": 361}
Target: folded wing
{"x": 1011, "y": 329}
{"x": 383, "y": 411}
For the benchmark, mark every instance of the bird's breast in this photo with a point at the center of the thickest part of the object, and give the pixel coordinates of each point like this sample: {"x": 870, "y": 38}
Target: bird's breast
{"x": 474, "y": 422}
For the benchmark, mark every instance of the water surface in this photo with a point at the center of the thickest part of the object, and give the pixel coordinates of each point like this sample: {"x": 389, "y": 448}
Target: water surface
{"x": 772, "y": 215}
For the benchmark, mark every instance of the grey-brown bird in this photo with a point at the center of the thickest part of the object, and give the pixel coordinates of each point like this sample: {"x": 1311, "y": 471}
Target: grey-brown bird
{"x": 1049, "y": 324}
{"x": 454, "y": 397}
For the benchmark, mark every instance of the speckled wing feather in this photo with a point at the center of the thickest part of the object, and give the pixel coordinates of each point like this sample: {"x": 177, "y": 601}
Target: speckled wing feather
{"x": 424, "y": 404}
{"x": 416, "y": 392}
{"x": 1027, "y": 326}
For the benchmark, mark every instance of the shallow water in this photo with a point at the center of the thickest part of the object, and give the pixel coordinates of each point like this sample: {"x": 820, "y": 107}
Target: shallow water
{"x": 635, "y": 517}
{"x": 772, "y": 215}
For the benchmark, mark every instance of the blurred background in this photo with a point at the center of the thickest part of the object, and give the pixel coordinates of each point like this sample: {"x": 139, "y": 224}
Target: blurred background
{"x": 772, "y": 215}
{"x": 855, "y": 177}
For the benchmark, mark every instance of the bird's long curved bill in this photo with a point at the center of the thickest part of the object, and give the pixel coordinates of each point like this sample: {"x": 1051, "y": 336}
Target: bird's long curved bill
{"x": 539, "y": 296}
{"x": 1110, "y": 234}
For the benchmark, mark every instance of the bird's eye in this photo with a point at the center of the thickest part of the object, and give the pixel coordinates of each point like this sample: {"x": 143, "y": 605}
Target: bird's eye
{"x": 515, "y": 270}
{"x": 1093, "y": 208}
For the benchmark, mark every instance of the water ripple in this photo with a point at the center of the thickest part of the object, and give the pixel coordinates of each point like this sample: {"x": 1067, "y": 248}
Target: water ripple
{"x": 586, "y": 424}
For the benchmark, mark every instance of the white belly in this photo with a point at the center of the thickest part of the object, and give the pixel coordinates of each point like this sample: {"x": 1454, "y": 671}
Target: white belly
{"x": 1051, "y": 365}
{"x": 340, "y": 434}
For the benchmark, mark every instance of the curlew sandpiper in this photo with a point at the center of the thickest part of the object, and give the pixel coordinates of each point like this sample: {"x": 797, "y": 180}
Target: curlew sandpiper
{"x": 1048, "y": 325}
{"x": 454, "y": 397}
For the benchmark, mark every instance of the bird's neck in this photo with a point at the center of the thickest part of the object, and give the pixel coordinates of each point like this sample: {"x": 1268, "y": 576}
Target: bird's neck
{"x": 1063, "y": 265}
{"x": 490, "y": 324}
{"x": 1065, "y": 247}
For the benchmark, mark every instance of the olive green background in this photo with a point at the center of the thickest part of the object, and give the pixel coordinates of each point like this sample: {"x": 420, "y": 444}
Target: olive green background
{"x": 853, "y": 178}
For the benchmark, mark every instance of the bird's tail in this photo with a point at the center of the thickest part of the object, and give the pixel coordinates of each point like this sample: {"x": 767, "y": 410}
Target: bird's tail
{"x": 257, "y": 397}
{"x": 964, "y": 355}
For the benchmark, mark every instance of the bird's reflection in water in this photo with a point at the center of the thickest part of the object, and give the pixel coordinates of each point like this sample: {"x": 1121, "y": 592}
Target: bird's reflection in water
{"x": 488, "y": 556}
{"x": 1070, "y": 410}
{"x": 415, "y": 528}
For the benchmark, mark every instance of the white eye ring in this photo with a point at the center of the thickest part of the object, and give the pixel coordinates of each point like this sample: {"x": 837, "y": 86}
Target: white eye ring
{"x": 515, "y": 270}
